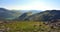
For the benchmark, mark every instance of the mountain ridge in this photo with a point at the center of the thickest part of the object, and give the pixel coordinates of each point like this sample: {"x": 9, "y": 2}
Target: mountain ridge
{"x": 13, "y": 14}
{"x": 47, "y": 15}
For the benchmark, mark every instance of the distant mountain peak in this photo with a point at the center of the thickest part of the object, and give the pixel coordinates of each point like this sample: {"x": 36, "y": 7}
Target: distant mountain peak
{"x": 3, "y": 9}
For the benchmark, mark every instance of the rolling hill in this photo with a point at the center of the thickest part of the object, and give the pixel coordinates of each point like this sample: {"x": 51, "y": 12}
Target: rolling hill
{"x": 47, "y": 15}
{"x": 6, "y": 14}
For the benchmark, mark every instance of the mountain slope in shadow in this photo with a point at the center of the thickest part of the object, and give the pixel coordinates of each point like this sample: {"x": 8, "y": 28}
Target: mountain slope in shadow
{"x": 47, "y": 15}
{"x": 6, "y": 14}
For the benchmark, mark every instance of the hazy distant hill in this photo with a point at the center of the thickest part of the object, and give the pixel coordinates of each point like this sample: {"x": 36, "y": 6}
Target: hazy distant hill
{"x": 28, "y": 13}
{"x": 6, "y": 14}
{"x": 45, "y": 16}
{"x": 25, "y": 15}
{"x": 33, "y": 11}
{"x": 39, "y": 15}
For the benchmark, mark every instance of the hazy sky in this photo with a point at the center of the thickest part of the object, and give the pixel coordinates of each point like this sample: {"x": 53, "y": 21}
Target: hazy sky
{"x": 30, "y": 4}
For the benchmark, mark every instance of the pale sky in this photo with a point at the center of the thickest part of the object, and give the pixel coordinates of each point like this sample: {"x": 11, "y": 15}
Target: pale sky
{"x": 30, "y": 4}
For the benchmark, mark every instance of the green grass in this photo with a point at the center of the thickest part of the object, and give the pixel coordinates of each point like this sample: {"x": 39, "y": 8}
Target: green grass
{"x": 26, "y": 26}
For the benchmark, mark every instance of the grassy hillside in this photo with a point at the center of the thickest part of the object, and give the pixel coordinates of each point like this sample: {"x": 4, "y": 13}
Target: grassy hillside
{"x": 27, "y": 26}
{"x": 47, "y": 15}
